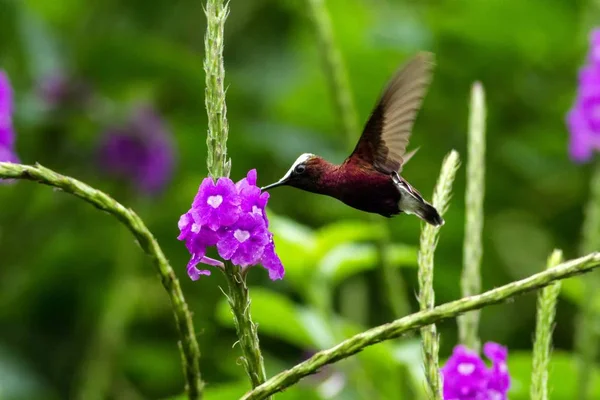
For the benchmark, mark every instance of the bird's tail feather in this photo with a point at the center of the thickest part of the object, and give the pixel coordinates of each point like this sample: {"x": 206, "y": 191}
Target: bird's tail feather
{"x": 411, "y": 202}
{"x": 429, "y": 214}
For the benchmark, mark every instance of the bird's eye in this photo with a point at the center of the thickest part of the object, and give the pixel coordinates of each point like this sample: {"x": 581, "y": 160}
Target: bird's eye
{"x": 300, "y": 168}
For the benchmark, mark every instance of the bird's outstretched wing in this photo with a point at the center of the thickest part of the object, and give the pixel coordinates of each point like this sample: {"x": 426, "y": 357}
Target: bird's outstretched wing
{"x": 385, "y": 137}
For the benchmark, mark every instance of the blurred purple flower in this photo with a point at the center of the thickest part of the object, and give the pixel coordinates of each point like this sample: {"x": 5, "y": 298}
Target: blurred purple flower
{"x": 231, "y": 217}
{"x": 140, "y": 151}
{"x": 7, "y": 134}
{"x": 329, "y": 381}
{"x": 583, "y": 120}
{"x": 60, "y": 89}
{"x": 466, "y": 376}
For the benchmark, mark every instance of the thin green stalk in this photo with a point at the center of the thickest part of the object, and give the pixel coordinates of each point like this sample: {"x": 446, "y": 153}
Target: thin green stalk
{"x": 394, "y": 293}
{"x": 468, "y": 324}
{"x": 188, "y": 345}
{"x": 591, "y": 224}
{"x": 542, "y": 346}
{"x": 418, "y": 320}
{"x": 429, "y": 238}
{"x": 588, "y": 334}
{"x": 218, "y": 165}
{"x": 122, "y": 296}
{"x": 335, "y": 69}
{"x": 216, "y": 108}
{"x": 239, "y": 301}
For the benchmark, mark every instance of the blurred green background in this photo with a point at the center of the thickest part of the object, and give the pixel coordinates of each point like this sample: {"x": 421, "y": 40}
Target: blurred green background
{"x": 63, "y": 264}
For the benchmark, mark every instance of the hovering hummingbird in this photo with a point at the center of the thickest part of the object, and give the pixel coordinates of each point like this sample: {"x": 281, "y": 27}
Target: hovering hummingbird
{"x": 369, "y": 180}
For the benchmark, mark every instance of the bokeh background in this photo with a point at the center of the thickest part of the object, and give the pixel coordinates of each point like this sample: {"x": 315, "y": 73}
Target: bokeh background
{"x": 82, "y": 314}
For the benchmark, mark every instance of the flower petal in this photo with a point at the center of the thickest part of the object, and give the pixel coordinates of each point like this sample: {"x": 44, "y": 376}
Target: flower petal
{"x": 272, "y": 263}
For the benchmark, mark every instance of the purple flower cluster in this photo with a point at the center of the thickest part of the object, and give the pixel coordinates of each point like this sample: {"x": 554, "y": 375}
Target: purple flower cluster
{"x": 60, "y": 90}
{"x": 466, "y": 376}
{"x": 583, "y": 120}
{"x": 7, "y": 134}
{"x": 232, "y": 217}
{"x": 140, "y": 151}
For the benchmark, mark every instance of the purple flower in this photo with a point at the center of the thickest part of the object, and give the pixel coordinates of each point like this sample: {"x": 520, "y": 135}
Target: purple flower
{"x": 583, "y": 120}
{"x": 233, "y": 218}
{"x": 217, "y": 204}
{"x": 466, "y": 376}
{"x": 253, "y": 201}
{"x": 594, "y": 55}
{"x": 271, "y": 261}
{"x": 499, "y": 379}
{"x": 140, "y": 151}
{"x": 244, "y": 244}
{"x": 7, "y": 134}
{"x": 59, "y": 90}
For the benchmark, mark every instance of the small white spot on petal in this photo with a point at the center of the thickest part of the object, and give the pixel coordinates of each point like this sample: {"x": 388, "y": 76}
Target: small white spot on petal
{"x": 494, "y": 395}
{"x": 465, "y": 368}
{"x": 196, "y": 228}
{"x": 596, "y": 53}
{"x": 214, "y": 201}
{"x": 241, "y": 235}
{"x": 596, "y": 112}
{"x": 256, "y": 210}
{"x": 502, "y": 367}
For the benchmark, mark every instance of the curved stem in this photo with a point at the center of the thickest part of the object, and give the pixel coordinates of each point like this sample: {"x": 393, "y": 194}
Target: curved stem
{"x": 183, "y": 318}
{"x": 418, "y": 320}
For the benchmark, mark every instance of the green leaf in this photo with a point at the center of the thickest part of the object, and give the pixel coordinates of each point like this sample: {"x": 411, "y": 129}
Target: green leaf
{"x": 573, "y": 290}
{"x": 562, "y": 379}
{"x": 18, "y": 380}
{"x": 347, "y": 260}
{"x": 296, "y": 246}
{"x": 410, "y": 354}
{"x": 235, "y": 390}
{"x": 275, "y": 315}
{"x": 338, "y": 233}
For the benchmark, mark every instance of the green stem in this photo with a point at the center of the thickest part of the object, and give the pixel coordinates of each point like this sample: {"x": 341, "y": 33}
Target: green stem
{"x": 591, "y": 224}
{"x": 587, "y": 336}
{"x": 183, "y": 318}
{"x": 429, "y": 239}
{"x": 219, "y": 165}
{"x": 335, "y": 70}
{"x": 216, "y": 108}
{"x": 418, "y": 320}
{"x": 121, "y": 300}
{"x": 542, "y": 346}
{"x": 468, "y": 324}
{"x": 394, "y": 293}
{"x": 239, "y": 301}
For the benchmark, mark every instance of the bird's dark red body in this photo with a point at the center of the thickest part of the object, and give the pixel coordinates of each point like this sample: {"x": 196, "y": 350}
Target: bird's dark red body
{"x": 358, "y": 185}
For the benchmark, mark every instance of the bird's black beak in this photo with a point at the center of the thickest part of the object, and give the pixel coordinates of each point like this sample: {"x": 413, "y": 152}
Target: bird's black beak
{"x": 274, "y": 185}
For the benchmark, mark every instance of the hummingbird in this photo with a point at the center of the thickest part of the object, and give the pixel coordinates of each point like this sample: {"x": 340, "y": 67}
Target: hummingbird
{"x": 369, "y": 179}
